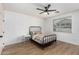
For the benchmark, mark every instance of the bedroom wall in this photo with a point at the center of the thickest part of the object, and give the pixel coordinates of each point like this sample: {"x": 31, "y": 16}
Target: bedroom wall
{"x": 17, "y": 25}
{"x": 66, "y": 37}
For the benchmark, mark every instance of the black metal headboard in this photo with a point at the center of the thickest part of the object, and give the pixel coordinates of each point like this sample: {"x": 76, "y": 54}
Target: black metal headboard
{"x": 34, "y": 29}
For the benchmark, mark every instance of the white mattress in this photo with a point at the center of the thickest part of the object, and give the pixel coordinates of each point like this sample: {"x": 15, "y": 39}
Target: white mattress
{"x": 39, "y": 38}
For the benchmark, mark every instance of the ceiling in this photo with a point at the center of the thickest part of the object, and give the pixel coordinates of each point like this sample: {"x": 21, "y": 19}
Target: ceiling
{"x": 30, "y": 8}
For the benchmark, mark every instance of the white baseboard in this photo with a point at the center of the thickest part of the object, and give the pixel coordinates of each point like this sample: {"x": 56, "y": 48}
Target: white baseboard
{"x": 75, "y": 43}
{"x": 14, "y": 41}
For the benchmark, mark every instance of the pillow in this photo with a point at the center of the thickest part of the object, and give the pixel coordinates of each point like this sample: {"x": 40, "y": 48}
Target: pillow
{"x": 38, "y": 33}
{"x": 33, "y": 33}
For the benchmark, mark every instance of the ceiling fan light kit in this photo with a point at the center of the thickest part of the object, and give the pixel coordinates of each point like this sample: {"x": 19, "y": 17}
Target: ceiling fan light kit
{"x": 46, "y": 10}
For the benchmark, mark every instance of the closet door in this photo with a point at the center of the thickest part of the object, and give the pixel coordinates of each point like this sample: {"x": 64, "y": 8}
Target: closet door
{"x": 1, "y": 27}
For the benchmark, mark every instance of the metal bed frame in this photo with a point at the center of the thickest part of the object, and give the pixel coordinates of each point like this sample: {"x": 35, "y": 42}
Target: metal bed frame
{"x": 46, "y": 39}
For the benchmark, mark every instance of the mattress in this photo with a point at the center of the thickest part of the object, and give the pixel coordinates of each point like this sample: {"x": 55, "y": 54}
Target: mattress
{"x": 40, "y": 38}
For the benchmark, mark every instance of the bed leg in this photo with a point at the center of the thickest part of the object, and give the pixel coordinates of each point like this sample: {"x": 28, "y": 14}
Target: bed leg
{"x": 55, "y": 40}
{"x": 42, "y": 47}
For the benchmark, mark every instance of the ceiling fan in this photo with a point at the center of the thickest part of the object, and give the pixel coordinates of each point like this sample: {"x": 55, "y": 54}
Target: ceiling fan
{"x": 46, "y": 9}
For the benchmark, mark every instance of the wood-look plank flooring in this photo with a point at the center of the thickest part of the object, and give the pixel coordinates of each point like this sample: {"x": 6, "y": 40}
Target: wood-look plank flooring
{"x": 28, "y": 48}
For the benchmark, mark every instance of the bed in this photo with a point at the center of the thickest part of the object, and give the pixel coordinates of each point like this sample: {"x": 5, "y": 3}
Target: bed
{"x": 43, "y": 39}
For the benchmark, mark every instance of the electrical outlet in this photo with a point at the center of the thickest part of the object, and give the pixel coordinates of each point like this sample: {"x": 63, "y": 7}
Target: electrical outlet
{"x": 3, "y": 32}
{"x": 3, "y": 43}
{"x": 3, "y": 20}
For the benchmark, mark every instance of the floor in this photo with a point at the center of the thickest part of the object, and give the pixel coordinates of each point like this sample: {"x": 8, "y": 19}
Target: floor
{"x": 28, "y": 48}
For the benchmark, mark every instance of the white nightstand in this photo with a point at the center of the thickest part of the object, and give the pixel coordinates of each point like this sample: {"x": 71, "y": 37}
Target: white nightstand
{"x": 27, "y": 37}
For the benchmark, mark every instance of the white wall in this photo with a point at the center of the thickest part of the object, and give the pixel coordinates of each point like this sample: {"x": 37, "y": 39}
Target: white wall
{"x": 16, "y": 25}
{"x": 66, "y": 37}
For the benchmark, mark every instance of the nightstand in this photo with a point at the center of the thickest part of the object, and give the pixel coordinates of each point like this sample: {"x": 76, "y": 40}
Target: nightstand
{"x": 27, "y": 37}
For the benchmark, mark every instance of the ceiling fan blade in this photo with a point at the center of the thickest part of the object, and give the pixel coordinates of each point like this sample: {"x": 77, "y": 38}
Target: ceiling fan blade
{"x": 51, "y": 10}
{"x": 41, "y": 12}
{"x": 40, "y": 9}
{"x": 49, "y": 6}
{"x": 57, "y": 12}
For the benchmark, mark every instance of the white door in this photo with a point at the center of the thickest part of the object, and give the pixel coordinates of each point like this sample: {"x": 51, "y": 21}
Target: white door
{"x": 1, "y": 27}
{"x": 1, "y": 35}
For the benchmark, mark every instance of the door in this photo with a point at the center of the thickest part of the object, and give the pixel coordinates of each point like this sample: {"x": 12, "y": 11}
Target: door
{"x": 1, "y": 27}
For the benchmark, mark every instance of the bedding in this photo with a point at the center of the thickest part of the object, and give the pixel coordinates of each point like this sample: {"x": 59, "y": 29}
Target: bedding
{"x": 38, "y": 37}
{"x": 41, "y": 38}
